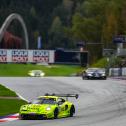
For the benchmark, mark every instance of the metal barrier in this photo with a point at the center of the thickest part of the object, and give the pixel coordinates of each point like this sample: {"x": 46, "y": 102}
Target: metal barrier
{"x": 117, "y": 71}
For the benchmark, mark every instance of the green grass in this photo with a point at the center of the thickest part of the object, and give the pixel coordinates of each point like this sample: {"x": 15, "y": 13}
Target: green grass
{"x": 51, "y": 70}
{"x": 9, "y": 106}
{"x": 113, "y": 62}
{"x": 6, "y": 92}
{"x": 100, "y": 63}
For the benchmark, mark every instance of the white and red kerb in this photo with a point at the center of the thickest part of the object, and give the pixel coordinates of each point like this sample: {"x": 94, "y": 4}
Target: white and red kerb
{"x": 10, "y": 118}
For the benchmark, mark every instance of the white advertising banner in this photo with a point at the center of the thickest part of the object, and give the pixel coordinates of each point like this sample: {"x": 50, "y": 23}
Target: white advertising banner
{"x": 24, "y": 56}
{"x": 3, "y": 55}
{"x": 40, "y": 56}
{"x": 20, "y": 56}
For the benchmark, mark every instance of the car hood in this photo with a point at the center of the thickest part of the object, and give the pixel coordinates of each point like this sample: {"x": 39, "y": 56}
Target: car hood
{"x": 95, "y": 72}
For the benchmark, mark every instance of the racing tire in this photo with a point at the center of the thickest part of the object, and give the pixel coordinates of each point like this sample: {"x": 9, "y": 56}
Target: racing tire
{"x": 22, "y": 117}
{"x": 72, "y": 111}
{"x": 56, "y": 113}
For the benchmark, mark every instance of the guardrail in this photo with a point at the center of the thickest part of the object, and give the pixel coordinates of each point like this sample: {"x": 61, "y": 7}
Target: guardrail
{"x": 121, "y": 52}
{"x": 117, "y": 71}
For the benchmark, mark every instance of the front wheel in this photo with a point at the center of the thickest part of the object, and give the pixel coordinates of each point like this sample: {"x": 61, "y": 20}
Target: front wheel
{"x": 56, "y": 113}
{"x": 22, "y": 117}
{"x": 104, "y": 78}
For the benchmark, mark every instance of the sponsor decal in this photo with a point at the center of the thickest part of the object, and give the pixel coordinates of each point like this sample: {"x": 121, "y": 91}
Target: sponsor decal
{"x": 25, "y": 56}
{"x": 3, "y": 55}
{"x": 40, "y": 56}
{"x": 19, "y": 56}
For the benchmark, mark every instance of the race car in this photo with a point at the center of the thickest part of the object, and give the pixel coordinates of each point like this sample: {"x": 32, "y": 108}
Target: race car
{"x": 36, "y": 73}
{"x": 94, "y": 73}
{"x": 49, "y": 106}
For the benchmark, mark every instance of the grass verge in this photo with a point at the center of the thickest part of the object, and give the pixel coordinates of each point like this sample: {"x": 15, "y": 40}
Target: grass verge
{"x": 10, "y": 106}
{"x": 7, "y": 105}
{"x": 49, "y": 70}
{"x": 6, "y": 92}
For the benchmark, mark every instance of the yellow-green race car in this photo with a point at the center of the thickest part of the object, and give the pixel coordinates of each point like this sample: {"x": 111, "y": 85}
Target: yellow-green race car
{"x": 50, "y": 106}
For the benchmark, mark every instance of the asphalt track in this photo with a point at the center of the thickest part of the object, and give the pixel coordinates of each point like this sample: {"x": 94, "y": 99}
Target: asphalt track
{"x": 101, "y": 102}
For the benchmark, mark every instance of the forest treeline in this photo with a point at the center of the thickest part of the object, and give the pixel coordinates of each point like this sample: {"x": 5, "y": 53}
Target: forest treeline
{"x": 64, "y": 23}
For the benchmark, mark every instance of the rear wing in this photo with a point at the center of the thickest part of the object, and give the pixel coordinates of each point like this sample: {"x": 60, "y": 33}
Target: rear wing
{"x": 63, "y": 95}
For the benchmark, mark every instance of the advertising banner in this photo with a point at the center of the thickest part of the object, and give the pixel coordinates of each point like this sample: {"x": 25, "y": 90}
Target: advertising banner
{"x": 71, "y": 57}
{"x": 39, "y": 42}
{"x": 40, "y": 56}
{"x": 20, "y": 56}
{"x": 3, "y": 55}
{"x": 25, "y": 56}
{"x": 119, "y": 39}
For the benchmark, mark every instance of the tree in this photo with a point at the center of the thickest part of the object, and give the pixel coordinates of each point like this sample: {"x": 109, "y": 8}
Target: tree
{"x": 56, "y": 33}
{"x": 87, "y": 25}
{"x": 110, "y": 26}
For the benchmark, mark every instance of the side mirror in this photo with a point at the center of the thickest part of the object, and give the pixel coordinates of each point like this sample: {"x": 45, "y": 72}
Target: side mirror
{"x": 76, "y": 96}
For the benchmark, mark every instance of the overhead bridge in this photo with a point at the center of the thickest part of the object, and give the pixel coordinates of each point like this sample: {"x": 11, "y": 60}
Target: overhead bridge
{"x": 7, "y": 22}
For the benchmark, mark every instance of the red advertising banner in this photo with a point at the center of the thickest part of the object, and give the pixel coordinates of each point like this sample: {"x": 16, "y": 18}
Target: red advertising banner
{"x": 19, "y": 56}
{"x": 40, "y": 56}
{"x": 3, "y": 55}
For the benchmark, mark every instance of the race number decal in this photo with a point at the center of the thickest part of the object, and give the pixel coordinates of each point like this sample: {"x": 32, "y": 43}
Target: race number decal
{"x": 40, "y": 56}
{"x": 20, "y": 56}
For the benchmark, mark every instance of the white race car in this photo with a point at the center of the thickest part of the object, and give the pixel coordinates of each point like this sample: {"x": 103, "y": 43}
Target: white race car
{"x": 36, "y": 73}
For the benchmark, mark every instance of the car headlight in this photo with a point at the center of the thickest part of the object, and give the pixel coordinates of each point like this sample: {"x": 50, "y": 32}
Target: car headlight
{"x": 23, "y": 108}
{"x": 42, "y": 74}
{"x": 48, "y": 108}
{"x": 103, "y": 74}
{"x": 31, "y": 74}
{"x": 89, "y": 74}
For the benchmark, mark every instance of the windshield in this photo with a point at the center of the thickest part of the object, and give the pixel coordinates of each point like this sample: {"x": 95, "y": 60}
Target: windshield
{"x": 44, "y": 101}
{"x": 36, "y": 71}
{"x": 95, "y": 70}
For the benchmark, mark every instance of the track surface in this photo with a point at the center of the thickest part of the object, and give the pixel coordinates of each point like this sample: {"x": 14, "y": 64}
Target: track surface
{"x": 101, "y": 102}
